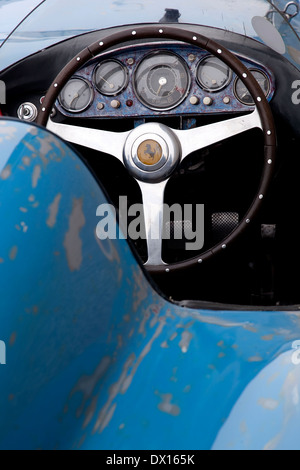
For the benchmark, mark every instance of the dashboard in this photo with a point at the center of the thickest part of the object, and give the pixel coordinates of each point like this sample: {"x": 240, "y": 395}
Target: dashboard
{"x": 160, "y": 78}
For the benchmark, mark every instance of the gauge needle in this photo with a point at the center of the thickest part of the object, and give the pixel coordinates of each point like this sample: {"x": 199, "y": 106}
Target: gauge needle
{"x": 75, "y": 97}
{"x": 78, "y": 94}
{"x": 162, "y": 81}
{"x": 213, "y": 80}
{"x": 109, "y": 84}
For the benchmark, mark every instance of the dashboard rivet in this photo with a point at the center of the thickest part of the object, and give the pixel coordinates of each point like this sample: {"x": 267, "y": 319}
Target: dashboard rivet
{"x": 207, "y": 101}
{"x": 115, "y": 104}
{"x": 259, "y": 99}
{"x": 194, "y": 100}
{"x": 133, "y": 33}
{"x": 200, "y": 261}
{"x": 219, "y": 51}
{"x": 226, "y": 100}
{"x": 101, "y": 43}
{"x": 195, "y": 38}
{"x": 248, "y": 221}
{"x": 161, "y": 31}
{"x": 130, "y": 61}
{"x": 100, "y": 106}
{"x": 43, "y": 109}
{"x": 55, "y": 85}
{"x": 78, "y": 59}
{"x": 261, "y": 196}
{"x": 270, "y": 162}
{"x": 269, "y": 132}
{"x": 224, "y": 247}
{"x": 167, "y": 270}
{"x": 191, "y": 57}
{"x": 245, "y": 75}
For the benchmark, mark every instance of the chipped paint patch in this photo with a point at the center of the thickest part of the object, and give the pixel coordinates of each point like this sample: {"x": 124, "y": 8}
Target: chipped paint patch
{"x": 268, "y": 338}
{"x": 273, "y": 444}
{"x": 255, "y": 359}
{"x": 185, "y": 342}
{"x": 243, "y": 427}
{"x": 268, "y": 404}
{"x": 13, "y": 253}
{"x": 36, "y": 175}
{"x": 73, "y": 242}
{"x": 140, "y": 289}
{"x": 108, "y": 249}
{"x": 86, "y": 386}
{"x": 211, "y": 320}
{"x": 143, "y": 354}
{"x": 108, "y": 409}
{"x": 33, "y": 131}
{"x": 12, "y": 339}
{"x": 166, "y": 405}
{"x": 26, "y": 161}
{"x": 53, "y": 211}
{"x": 251, "y": 328}
{"x": 6, "y": 173}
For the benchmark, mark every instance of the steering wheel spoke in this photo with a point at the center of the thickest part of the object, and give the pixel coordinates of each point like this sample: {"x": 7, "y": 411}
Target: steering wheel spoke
{"x": 153, "y": 208}
{"x": 201, "y": 137}
{"x": 111, "y": 143}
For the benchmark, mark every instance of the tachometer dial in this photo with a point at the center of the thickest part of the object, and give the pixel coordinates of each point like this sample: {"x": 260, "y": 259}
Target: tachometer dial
{"x": 162, "y": 81}
{"x": 242, "y": 93}
{"x": 111, "y": 77}
{"x": 212, "y": 74}
{"x": 76, "y": 96}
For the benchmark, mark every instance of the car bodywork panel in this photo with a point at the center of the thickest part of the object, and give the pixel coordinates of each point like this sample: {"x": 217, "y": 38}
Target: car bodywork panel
{"x": 96, "y": 358}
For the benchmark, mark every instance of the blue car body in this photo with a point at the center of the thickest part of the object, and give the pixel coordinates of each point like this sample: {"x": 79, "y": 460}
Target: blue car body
{"x": 94, "y": 357}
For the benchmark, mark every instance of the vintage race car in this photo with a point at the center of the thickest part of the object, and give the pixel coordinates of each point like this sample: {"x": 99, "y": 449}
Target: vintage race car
{"x": 149, "y": 179}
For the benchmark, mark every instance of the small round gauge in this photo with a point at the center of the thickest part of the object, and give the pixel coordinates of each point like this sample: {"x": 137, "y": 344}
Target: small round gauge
{"x": 243, "y": 94}
{"x": 162, "y": 81}
{"x": 213, "y": 74}
{"x": 111, "y": 77}
{"x": 76, "y": 95}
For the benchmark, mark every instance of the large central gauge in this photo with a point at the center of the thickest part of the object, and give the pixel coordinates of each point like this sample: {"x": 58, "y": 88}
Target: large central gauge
{"x": 162, "y": 81}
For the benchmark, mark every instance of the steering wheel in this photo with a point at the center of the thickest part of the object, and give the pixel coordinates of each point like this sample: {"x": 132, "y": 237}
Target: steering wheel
{"x": 174, "y": 145}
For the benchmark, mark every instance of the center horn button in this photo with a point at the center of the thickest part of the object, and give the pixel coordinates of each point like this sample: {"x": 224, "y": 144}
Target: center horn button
{"x": 152, "y": 152}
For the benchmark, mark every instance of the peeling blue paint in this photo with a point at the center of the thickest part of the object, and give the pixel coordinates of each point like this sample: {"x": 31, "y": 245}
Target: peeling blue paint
{"x": 97, "y": 358}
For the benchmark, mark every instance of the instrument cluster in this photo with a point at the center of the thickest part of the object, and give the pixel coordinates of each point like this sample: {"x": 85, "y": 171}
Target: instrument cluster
{"x": 155, "y": 79}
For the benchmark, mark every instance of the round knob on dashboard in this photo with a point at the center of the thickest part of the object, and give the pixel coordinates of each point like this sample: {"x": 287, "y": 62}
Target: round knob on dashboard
{"x": 115, "y": 104}
{"x": 207, "y": 101}
{"x": 194, "y": 100}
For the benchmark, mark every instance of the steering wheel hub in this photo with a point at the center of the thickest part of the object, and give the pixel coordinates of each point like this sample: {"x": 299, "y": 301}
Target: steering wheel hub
{"x": 152, "y": 152}
{"x": 149, "y": 152}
